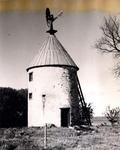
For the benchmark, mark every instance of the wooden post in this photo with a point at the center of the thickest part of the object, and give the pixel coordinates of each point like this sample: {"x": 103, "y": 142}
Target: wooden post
{"x": 45, "y": 136}
{"x": 44, "y": 122}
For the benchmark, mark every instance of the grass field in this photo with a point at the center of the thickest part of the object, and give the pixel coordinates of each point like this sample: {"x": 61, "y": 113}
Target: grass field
{"x": 101, "y": 137}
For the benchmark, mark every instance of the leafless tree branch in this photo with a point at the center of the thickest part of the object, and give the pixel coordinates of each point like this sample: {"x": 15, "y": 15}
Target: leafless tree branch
{"x": 110, "y": 41}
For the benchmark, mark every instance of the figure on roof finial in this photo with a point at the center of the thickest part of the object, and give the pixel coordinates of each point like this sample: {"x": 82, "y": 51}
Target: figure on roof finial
{"x": 50, "y": 19}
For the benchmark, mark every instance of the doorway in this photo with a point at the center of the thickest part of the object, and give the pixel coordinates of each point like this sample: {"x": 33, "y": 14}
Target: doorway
{"x": 65, "y": 117}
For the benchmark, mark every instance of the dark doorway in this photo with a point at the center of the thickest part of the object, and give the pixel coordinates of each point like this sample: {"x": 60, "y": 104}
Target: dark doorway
{"x": 65, "y": 117}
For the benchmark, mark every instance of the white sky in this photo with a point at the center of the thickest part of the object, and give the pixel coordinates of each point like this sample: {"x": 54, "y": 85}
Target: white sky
{"x": 21, "y": 36}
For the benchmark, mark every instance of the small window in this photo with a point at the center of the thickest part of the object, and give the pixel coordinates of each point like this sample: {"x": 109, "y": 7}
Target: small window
{"x": 30, "y": 95}
{"x": 30, "y": 76}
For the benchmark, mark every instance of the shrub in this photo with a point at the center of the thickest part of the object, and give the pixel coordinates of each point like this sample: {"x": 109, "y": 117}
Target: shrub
{"x": 87, "y": 114}
{"x": 13, "y": 107}
{"x": 112, "y": 115}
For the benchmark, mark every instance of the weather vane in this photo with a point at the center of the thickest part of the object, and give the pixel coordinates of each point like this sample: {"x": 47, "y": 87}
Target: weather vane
{"x": 50, "y": 19}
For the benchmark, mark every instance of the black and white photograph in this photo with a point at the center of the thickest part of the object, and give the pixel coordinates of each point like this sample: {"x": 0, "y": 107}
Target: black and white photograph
{"x": 59, "y": 74}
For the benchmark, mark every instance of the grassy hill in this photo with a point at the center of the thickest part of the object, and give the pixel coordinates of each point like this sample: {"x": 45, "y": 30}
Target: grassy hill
{"x": 99, "y": 138}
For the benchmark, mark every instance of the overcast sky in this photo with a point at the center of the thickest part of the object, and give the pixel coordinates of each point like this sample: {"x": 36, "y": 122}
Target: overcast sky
{"x": 21, "y": 36}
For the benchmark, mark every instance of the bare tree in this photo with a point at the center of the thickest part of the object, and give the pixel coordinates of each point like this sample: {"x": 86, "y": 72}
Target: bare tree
{"x": 110, "y": 41}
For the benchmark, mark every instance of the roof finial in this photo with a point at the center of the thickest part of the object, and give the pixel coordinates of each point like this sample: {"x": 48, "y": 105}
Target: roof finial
{"x": 50, "y": 19}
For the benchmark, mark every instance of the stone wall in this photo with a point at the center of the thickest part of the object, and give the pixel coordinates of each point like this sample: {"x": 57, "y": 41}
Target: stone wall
{"x": 60, "y": 89}
{"x": 74, "y": 96}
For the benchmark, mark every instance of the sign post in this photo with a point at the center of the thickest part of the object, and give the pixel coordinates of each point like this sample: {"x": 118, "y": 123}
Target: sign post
{"x": 45, "y": 125}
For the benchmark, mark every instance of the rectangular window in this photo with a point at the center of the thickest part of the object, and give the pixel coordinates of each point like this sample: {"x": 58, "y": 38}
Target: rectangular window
{"x": 30, "y": 96}
{"x": 30, "y": 76}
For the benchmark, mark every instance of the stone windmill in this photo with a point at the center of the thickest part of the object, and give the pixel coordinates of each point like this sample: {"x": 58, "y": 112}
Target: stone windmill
{"x": 55, "y": 94}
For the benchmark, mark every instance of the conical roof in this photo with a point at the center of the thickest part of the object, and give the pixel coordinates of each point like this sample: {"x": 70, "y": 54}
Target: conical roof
{"x": 52, "y": 53}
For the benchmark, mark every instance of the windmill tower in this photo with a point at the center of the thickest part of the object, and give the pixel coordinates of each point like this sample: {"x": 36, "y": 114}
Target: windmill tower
{"x": 54, "y": 89}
